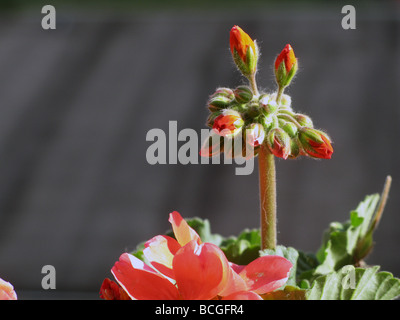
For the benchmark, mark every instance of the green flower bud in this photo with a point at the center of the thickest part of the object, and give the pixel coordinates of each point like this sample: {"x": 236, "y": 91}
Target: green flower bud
{"x": 269, "y": 121}
{"x": 252, "y": 110}
{"x": 268, "y": 105}
{"x": 303, "y": 120}
{"x": 243, "y": 94}
{"x": 286, "y": 101}
{"x": 295, "y": 148}
{"x": 221, "y": 99}
{"x": 226, "y": 92}
{"x": 290, "y": 128}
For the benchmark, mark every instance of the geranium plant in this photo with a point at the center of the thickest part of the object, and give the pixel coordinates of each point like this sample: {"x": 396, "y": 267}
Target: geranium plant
{"x": 192, "y": 263}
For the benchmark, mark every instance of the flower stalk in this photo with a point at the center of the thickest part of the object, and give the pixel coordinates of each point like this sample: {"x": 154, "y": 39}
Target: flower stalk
{"x": 267, "y": 182}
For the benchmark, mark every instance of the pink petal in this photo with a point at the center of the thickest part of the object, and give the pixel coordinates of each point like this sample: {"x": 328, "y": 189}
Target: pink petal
{"x": 235, "y": 282}
{"x": 243, "y": 295}
{"x": 7, "y": 291}
{"x": 141, "y": 282}
{"x": 201, "y": 271}
{"x": 183, "y": 233}
{"x": 236, "y": 267}
{"x": 266, "y": 273}
{"x": 160, "y": 251}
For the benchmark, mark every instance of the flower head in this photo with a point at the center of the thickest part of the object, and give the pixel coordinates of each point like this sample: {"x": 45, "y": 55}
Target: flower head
{"x": 186, "y": 268}
{"x": 244, "y": 51}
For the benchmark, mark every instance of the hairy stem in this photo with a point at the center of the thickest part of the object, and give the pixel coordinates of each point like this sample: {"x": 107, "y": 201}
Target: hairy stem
{"x": 267, "y": 180}
{"x": 253, "y": 84}
{"x": 279, "y": 95}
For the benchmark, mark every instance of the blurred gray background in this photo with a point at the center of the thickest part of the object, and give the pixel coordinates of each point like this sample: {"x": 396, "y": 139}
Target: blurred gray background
{"x": 77, "y": 102}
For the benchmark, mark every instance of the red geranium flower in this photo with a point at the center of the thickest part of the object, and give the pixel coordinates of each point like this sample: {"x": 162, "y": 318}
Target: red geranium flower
{"x": 186, "y": 268}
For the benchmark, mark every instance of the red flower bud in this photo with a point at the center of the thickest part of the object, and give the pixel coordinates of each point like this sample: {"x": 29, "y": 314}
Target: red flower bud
{"x": 228, "y": 123}
{"x": 285, "y": 66}
{"x": 244, "y": 51}
{"x": 255, "y": 134}
{"x": 287, "y": 56}
{"x": 315, "y": 143}
{"x": 278, "y": 142}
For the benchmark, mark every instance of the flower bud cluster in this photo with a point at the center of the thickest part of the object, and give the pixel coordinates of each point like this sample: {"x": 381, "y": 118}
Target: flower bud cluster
{"x": 261, "y": 120}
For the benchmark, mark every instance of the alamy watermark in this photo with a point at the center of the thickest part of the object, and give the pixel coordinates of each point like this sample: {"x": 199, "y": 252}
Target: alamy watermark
{"x": 190, "y": 151}
{"x": 49, "y": 280}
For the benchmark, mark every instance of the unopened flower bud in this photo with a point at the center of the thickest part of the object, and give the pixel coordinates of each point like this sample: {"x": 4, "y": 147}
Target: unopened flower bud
{"x": 211, "y": 118}
{"x": 244, "y": 51}
{"x": 303, "y": 120}
{"x": 268, "y": 105}
{"x": 285, "y": 66}
{"x": 226, "y": 92}
{"x": 270, "y": 121}
{"x": 286, "y": 101}
{"x": 255, "y": 134}
{"x": 220, "y": 99}
{"x": 289, "y": 127}
{"x": 295, "y": 148}
{"x": 243, "y": 94}
{"x": 278, "y": 142}
{"x": 315, "y": 143}
{"x": 228, "y": 123}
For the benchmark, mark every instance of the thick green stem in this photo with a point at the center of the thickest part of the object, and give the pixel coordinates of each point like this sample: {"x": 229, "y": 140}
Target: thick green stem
{"x": 267, "y": 180}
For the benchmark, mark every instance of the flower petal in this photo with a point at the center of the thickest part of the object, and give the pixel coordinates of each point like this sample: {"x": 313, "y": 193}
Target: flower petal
{"x": 140, "y": 281}
{"x": 201, "y": 271}
{"x": 160, "y": 251}
{"x": 243, "y": 295}
{"x": 183, "y": 233}
{"x": 266, "y": 273}
{"x": 235, "y": 282}
{"x": 7, "y": 291}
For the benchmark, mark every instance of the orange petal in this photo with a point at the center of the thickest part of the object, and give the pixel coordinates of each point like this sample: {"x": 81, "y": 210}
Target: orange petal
{"x": 266, "y": 273}
{"x": 160, "y": 251}
{"x": 201, "y": 271}
{"x": 140, "y": 281}
{"x": 183, "y": 233}
{"x": 243, "y": 295}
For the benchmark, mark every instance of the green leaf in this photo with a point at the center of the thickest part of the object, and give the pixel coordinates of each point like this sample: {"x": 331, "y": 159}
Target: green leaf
{"x": 240, "y": 250}
{"x": 203, "y": 229}
{"x": 351, "y": 283}
{"x": 244, "y": 248}
{"x": 349, "y": 242}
